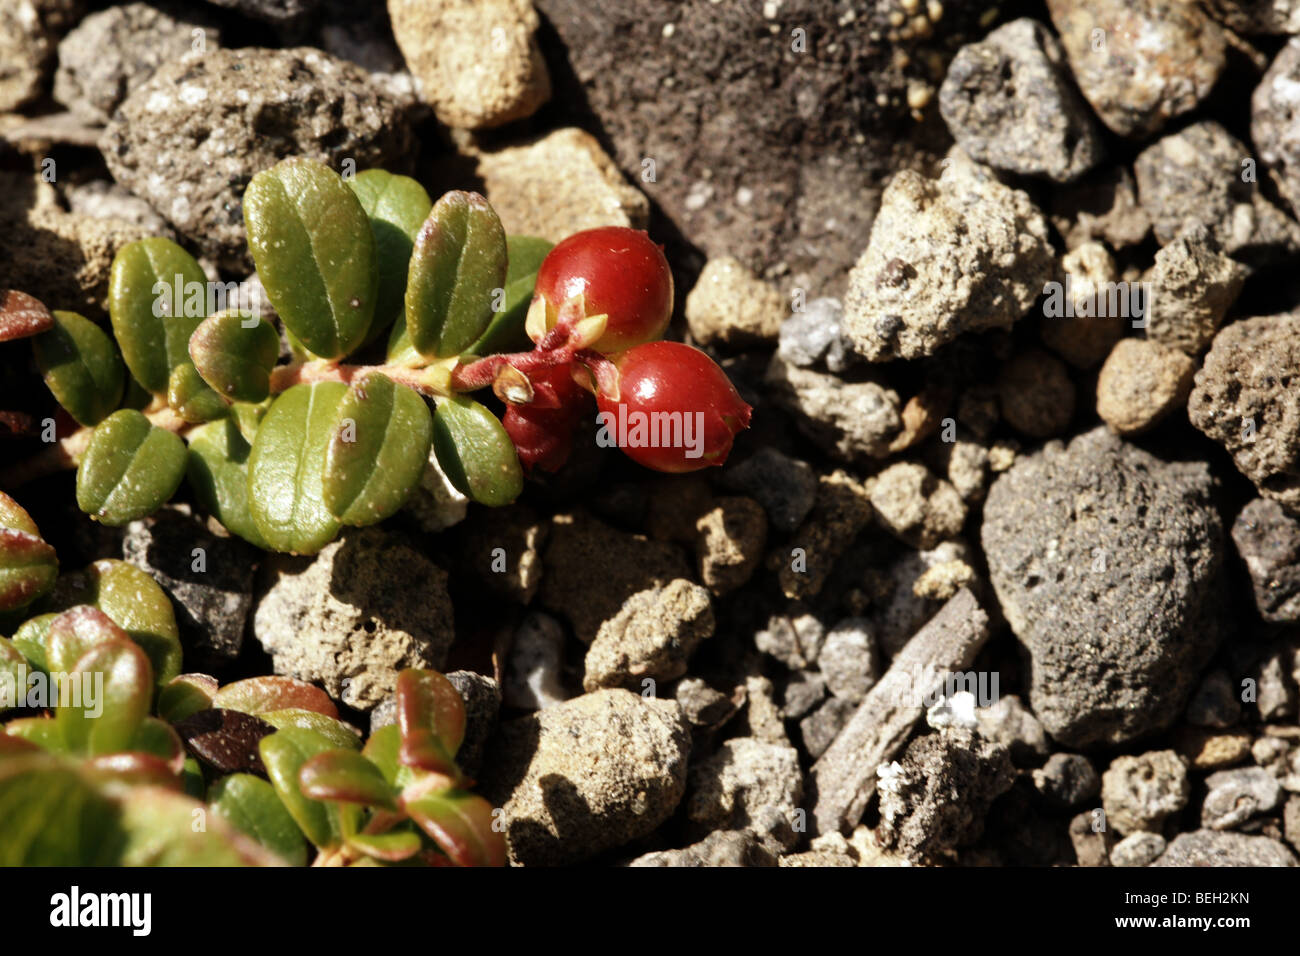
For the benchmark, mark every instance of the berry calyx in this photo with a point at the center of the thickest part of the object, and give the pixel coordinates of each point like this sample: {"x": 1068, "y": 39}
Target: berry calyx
{"x": 542, "y": 429}
{"x": 612, "y": 271}
{"x": 676, "y": 412}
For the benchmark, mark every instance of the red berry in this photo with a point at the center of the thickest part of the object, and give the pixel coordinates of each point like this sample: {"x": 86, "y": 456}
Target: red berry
{"x": 677, "y": 410}
{"x": 620, "y": 273}
{"x": 543, "y": 430}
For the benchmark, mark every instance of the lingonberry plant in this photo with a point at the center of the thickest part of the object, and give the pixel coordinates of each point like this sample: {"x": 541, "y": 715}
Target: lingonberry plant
{"x": 117, "y": 758}
{"x": 387, "y": 301}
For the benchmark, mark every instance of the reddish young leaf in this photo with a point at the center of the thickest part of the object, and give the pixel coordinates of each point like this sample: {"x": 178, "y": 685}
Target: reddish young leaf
{"x": 134, "y": 768}
{"x": 390, "y": 847}
{"x": 347, "y": 777}
{"x": 22, "y": 316}
{"x": 461, "y": 824}
{"x": 258, "y": 695}
{"x": 431, "y": 716}
{"x": 75, "y": 632}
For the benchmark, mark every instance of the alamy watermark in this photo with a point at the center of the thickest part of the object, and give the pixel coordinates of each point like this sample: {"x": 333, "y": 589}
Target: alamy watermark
{"x": 200, "y": 299}
{"x": 638, "y": 429}
{"x": 1098, "y": 300}
{"x": 24, "y": 687}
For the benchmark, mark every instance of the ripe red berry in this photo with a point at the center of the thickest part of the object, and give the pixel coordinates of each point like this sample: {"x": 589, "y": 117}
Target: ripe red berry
{"x": 543, "y": 430}
{"x": 677, "y": 410}
{"x": 620, "y": 273}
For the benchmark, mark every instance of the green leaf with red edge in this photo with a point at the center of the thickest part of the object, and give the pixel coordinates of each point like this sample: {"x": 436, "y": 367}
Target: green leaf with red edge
{"x": 283, "y": 753}
{"x": 129, "y": 470}
{"x": 461, "y": 824}
{"x": 159, "y": 828}
{"x": 250, "y": 805}
{"x": 431, "y": 717}
{"x": 458, "y": 264}
{"x": 378, "y": 449}
{"x": 159, "y": 740}
{"x": 258, "y": 695}
{"x": 81, "y": 367}
{"x": 476, "y": 452}
{"x": 54, "y": 816}
{"x": 383, "y": 748}
{"x": 28, "y": 565}
{"x": 116, "y": 689}
{"x": 133, "y": 768}
{"x": 315, "y": 254}
{"x": 391, "y": 847}
{"x": 22, "y": 316}
{"x": 348, "y": 777}
{"x": 396, "y": 206}
{"x": 184, "y": 695}
{"x": 42, "y": 732}
{"x": 339, "y": 733}
{"x": 74, "y": 633}
{"x": 235, "y": 352}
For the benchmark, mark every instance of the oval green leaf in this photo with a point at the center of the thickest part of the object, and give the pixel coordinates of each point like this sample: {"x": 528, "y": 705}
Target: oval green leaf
{"x": 192, "y": 398}
{"x": 218, "y": 473}
{"x": 81, "y": 367}
{"x": 431, "y": 716}
{"x": 378, "y": 449}
{"x": 184, "y": 695}
{"x": 345, "y": 776}
{"x": 286, "y": 469}
{"x": 505, "y": 333}
{"x": 283, "y": 753}
{"x": 157, "y": 296}
{"x": 235, "y": 352}
{"x": 461, "y": 824}
{"x": 339, "y": 733}
{"x": 249, "y": 804}
{"x": 109, "y": 699}
{"x": 458, "y": 263}
{"x": 475, "y": 452}
{"x": 315, "y": 254}
{"x": 397, "y": 207}
{"x": 130, "y": 467}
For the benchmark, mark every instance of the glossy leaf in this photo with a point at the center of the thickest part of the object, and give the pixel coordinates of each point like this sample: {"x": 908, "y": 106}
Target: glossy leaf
{"x": 81, "y": 367}
{"x": 336, "y": 731}
{"x": 22, "y": 316}
{"x": 131, "y": 768}
{"x": 13, "y": 671}
{"x": 458, "y": 262}
{"x": 30, "y": 638}
{"x": 392, "y": 847}
{"x": 378, "y": 449}
{"x": 159, "y": 740}
{"x": 130, "y": 468}
{"x": 192, "y": 398}
{"x": 461, "y": 824}
{"x": 135, "y": 603}
{"x": 157, "y": 296}
{"x": 396, "y": 206}
{"x": 41, "y": 732}
{"x": 225, "y": 741}
{"x": 345, "y": 776}
{"x": 431, "y": 716}
{"x": 217, "y": 469}
{"x": 315, "y": 254}
{"x": 475, "y": 452}
{"x": 234, "y": 352}
{"x": 383, "y": 748}
{"x": 53, "y": 816}
{"x": 184, "y": 695}
{"x": 28, "y": 565}
{"x": 284, "y": 752}
{"x": 286, "y": 469}
{"x": 108, "y": 722}
{"x": 76, "y": 632}
{"x": 505, "y": 333}
{"x": 250, "y": 805}
{"x": 257, "y": 695}
{"x": 159, "y": 831}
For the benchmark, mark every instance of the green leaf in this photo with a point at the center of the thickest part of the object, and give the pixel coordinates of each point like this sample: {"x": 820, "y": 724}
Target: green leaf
{"x": 54, "y": 817}
{"x": 135, "y": 603}
{"x": 397, "y": 206}
{"x": 235, "y": 352}
{"x": 75, "y": 633}
{"x": 339, "y": 733}
{"x": 283, "y": 753}
{"x": 286, "y": 469}
{"x": 13, "y": 667}
{"x": 506, "y": 331}
{"x": 250, "y": 805}
{"x": 258, "y": 695}
{"x": 81, "y": 367}
{"x": 109, "y": 722}
{"x": 28, "y": 565}
{"x": 431, "y": 716}
{"x": 475, "y": 452}
{"x": 157, "y": 739}
{"x": 461, "y": 824}
{"x": 152, "y": 324}
{"x": 43, "y": 732}
{"x": 191, "y": 398}
{"x": 392, "y": 847}
{"x": 458, "y": 263}
{"x": 160, "y": 831}
{"x": 378, "y": 449}
{"x": 383, "y": 749}
{"x": 345, "y": 776}
{"x": 315, "y": 254}
{"x": 30, "y": 638}
{"x": 130, "y": 468}
{"x": 218, "y": 472}
{"x": 184, "y": 695}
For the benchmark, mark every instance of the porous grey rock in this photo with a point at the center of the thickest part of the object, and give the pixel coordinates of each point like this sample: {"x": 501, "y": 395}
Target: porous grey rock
{"x": 1152, "y": 61}
{"x": 1235, "y": 796}
{"x": 815, "y": 334}
{"x": 1214, "y": 703}
{"x": 1195, "y": 177}
{"x": 1215, "y": 848}
{"x": 1268, "y": 540}
{"x": 1257, "y": 16}
{"x": 586, "y": 776}
{"x": 1008, "y": 722}
{"x": 1276, "y": 693}
{"x": 1091, "y": 839}
{"x": 100, "y": 199}
{"x": 1035, "y": 393}
{"x": 916, "y": 506}
{"x": 1291, "y": 820}
{"x": 1101, "y": 206}
{"x": 209, "y": 580}
{"x": 1009, "y": 101}
{"x": 705, "y": 707}
{"x": 731, "y": 306}
{"x": 746, "y": 775}
{"x": 1139, "y": 793}
{"x": 1245, "y": 398}
{"x": 1210, "y": 750}
{"x": 363, "y": 609}
{"x": 652, "y": 636}
{"x": 849, "y": 661}
{"x": 113, "y": 51}
{"x": 720, "y": 848}
{"x": 842, "y": 509}
{"x": 191, "y": 138}
{"x": 477, "y": 61}
{"x": 1192, "y": 287}
{"x": 29, "y": 32}
{"x": 1137, "y": 849}
{"x": 819, "y": 729}
{"x": 1105, "y": 560}
{"x": 850, "y": 420}
{"x": 935, "y": 798}
{"x": 534, "y": 670}
{"x": 786, "y": 487}
{"x": 898, "y": 610}
{"x": 1141, "y": 383}
{"x": 795, "y": 640}
{"x": 762, "y": 715}
{"x": 1067, "y": 781}
{"x": 1275, "y": 120}
{"x": 729, "y": 542}
{"x": 947, "y": 256}
{"x": 482, "y": 697}
{"x": 803, "y": 691}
